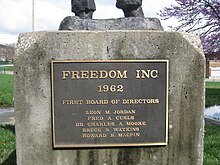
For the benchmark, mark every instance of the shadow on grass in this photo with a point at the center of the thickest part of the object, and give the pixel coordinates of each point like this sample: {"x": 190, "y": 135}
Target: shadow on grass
{"x": 9, "y": 127}
{"x": 212, "y": 97}
{"x": 11, "y": 159}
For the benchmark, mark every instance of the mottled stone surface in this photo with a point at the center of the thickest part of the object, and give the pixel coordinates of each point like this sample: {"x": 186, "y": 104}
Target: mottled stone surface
{"x": 129, "y": 23}
{"x": 126, "y": 4}
{"x": 33, "y": 94}
{"x": 82, "y": 5}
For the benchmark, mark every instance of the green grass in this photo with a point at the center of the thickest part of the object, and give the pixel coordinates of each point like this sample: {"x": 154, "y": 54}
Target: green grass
{"x": 212, "y": 145}
{"x": 7, "y": 145}
{"x": 215, "y": 85}
{"x": 212, "y": 94}
{"x": 6, "y": 90}
{"x": 6, "y": 68}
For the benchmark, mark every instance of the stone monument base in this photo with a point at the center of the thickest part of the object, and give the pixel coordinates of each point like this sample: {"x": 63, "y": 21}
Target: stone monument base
{"x": 36, "y": 50}
{"x": 128, "y": 23}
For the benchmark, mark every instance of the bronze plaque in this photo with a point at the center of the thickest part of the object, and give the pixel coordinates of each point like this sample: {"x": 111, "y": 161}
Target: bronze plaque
{"x": 109, "y": 103}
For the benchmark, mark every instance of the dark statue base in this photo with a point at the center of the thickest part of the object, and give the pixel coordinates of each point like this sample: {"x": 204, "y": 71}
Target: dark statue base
{"x": 128, "y": 23}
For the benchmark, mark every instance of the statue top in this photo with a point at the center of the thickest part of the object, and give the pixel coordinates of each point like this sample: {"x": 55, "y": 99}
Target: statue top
{"x": 85, "y": 8}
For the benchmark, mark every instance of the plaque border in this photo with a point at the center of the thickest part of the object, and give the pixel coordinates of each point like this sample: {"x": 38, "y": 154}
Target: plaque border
{"x": 58, "y": 146}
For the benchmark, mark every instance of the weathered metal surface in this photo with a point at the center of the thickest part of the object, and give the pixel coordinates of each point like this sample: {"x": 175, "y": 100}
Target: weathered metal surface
{"x": 110, "y": 103}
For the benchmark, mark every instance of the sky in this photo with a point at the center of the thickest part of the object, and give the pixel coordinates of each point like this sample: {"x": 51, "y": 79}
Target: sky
{"x": 16, "y": 15}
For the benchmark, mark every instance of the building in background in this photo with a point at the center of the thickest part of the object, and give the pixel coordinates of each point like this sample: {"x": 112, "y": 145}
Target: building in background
{"x": 6, "y": 53}
{"x": 213, "y": 66}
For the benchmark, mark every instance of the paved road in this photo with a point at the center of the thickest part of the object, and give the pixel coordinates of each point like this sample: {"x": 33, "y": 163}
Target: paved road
{"x": 212, "y": 121}
{"x": 212, "y": 80}
{"x": 6, "y": 65}
{"x": 7, "y": 116}
{"x": 6, "y": 72}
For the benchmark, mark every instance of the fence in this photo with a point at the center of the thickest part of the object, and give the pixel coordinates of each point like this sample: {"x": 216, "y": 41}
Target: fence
{"x": 6, "y": 69}
{"x": 213, "y": 68}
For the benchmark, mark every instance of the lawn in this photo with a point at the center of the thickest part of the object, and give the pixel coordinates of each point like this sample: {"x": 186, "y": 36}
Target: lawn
{"x": 212, "y": 145}
{"x": 6, "y": 68}
{"x": 7, "y": 145}
{"x": 215, "y": 85}
{"x": 6, "y": 90}
{"x": 212, "y": 94}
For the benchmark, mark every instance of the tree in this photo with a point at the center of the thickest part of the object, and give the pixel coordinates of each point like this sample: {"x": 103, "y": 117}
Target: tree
{"x": 199, "y": 16}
